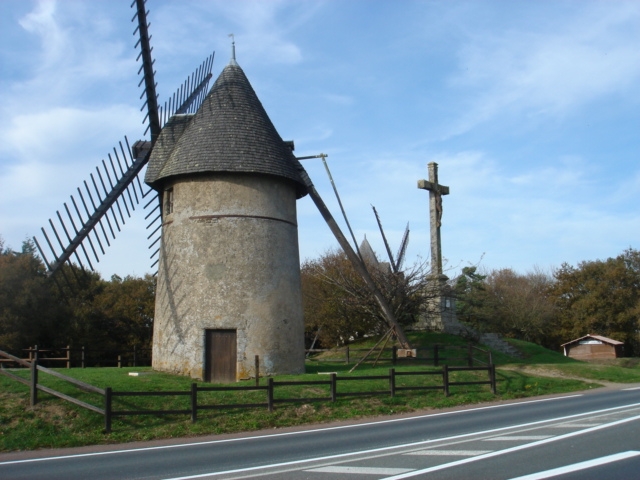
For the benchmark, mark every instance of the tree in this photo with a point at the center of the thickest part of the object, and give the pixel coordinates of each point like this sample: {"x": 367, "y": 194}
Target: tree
{"x": 80, "y": 309}
{"x": 127, "y": 307}
{"x": 521, "y": 304}
{"x": 30, "y": 312}
{"x": 506, "y": 302}
{"x": 600, "y": 297}
{"x": 472, "y": 299}
{"x": 339, "y": 305}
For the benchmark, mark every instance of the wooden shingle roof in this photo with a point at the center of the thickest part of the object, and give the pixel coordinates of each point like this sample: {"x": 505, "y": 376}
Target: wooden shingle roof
{"x": 230, "y": 133}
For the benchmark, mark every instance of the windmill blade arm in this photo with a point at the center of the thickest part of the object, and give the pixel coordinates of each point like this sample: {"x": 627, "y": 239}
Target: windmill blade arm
{"x": 147, "y": 69}
{"x": 403, "y": 247}
{"x": 100, "y": 212}
{"x": 394, "y": 266}
{"x": 353, "y": 257}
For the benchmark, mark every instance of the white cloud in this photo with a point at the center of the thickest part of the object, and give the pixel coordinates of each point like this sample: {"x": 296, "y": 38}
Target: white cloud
{"x": 41, "y": 22}
{"x": 43, "y": 136}
{"x": 551, "y": 73}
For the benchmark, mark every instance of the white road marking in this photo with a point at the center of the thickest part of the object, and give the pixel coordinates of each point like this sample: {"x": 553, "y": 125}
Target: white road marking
{"x": 579, "y": 466}
{"x": 516, "y": 438}
{"x": 257, "y": 437}
{"x": 510, "y": 450}
{"x": 361, "y": 470}
{"x": 576, "y": 425}
{"x": 631, "y": 389}
{"x": 461, "y": 453}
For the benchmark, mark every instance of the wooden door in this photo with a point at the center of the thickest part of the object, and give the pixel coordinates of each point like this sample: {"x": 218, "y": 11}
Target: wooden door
{"x": 220, "y": 356}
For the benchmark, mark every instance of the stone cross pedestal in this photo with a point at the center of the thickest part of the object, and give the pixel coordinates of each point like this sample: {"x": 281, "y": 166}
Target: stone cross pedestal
{"x": 440, "y": 310}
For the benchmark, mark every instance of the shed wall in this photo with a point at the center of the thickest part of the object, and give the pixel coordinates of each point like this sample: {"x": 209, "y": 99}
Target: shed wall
{"x": 592, "y": 352}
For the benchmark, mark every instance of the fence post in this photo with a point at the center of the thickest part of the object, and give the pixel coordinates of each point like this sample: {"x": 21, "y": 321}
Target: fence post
{"x": 347, "y": 354}
{"x": 470, "y": 354}
{"x": 435, "y": 355}
{"x": 490, "y": 358}
{"x": 194, "y": 402}
{"x": 394, "y": 354}
{"x": 34, "y": 378}
{"x": 82, "y": 359}
{"x": 445, "y": 379}
{"x": 107, "y": 409}
{"x": 257, "y": 363}
{"x": 135, "y": 356}
{"x": 392, "y": 380}
{"x": 334, "y": 387}
{"x": 492, "y": 377}
{"x": 270, "y": 394}
{"x": 68, "y": 356}
{"x": 119, "y": 361}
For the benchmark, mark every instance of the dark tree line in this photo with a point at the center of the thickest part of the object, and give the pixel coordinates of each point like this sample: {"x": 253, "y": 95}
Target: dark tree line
{"x": 105, "y": 315}
{"x": 599, "y": 297}
{"x": 595, "y": 297}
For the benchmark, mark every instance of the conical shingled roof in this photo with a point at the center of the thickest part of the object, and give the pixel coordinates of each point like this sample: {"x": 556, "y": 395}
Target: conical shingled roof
{"x": 230, "y": 133}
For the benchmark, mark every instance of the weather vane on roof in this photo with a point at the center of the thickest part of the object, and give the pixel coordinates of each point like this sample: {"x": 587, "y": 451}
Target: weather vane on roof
{"x": 233, "y": 48}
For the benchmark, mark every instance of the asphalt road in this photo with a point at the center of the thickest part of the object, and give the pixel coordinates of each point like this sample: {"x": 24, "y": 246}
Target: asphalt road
{"x": 505, "y": 440}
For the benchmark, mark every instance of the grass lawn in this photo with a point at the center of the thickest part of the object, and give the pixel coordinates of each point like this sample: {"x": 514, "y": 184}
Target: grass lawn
{"x": 55, "y": 423}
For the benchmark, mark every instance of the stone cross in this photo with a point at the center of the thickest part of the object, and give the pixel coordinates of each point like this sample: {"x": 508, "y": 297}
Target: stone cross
{"x": 435, "y": 215}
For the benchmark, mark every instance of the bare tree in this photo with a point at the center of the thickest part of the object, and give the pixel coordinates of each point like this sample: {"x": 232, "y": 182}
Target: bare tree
{"x": 339, "y": 304}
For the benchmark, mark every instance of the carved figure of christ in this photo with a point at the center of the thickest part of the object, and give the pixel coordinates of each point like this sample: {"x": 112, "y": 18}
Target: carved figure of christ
{"x": 436, "y": 191}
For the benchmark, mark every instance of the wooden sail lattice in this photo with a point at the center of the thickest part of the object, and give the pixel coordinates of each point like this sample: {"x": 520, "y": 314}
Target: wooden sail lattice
{"x": 99, "y": 207}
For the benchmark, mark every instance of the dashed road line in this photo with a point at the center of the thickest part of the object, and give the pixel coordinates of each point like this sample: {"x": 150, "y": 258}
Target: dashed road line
{"x": 453, "y": 453}
{"x": 516, "y": 438}
{"x": 361, "y": 470}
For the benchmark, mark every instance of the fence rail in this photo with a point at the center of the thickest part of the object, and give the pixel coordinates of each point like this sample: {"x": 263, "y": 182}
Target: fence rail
{"x": 435, "y": 355}
{"x": 334, "y": 380}
{"x": 83, "y": 357}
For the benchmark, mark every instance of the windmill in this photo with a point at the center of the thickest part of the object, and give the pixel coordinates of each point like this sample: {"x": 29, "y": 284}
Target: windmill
{"x": 101, "y": 205}
{"x": 224, "y": 224}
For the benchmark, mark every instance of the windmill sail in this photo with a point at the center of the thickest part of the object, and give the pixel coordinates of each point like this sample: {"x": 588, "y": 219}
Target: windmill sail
{"x": 115, "y": 190}
{"x": 403, "y": 248}
{"x": 394, "y": 266}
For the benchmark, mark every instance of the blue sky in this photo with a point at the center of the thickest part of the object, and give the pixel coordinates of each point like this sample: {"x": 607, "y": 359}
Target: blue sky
{"x": 530, "y": 108}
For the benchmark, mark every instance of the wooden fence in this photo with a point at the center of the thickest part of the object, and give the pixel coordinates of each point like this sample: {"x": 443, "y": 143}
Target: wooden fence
{"x": 435, "y": 355}
{"x": 83, "y": 357}
{"x": 333, "y": 382}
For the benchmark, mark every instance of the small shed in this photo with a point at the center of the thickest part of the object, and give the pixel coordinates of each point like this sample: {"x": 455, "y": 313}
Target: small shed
{"x": 592, "y": 347}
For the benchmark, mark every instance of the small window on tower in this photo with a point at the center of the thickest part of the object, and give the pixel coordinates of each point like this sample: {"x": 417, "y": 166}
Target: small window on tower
{"x": 168, "y": 201}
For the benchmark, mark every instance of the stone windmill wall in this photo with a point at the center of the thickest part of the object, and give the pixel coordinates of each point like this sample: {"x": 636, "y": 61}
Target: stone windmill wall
{"x": 229, "y": 274}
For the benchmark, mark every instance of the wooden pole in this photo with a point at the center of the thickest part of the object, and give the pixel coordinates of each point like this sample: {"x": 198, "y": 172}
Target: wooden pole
{"x": 107, "y": 409}
{"x": 392, "y": 381}
{"x": 334, "y": 387}
{"x": 34, "y": 378}
{"x": 257, "y": 366}
{"x": 194, "y": 402}
{"x": 445, "y": 379}
{"x": 270, "y": 394}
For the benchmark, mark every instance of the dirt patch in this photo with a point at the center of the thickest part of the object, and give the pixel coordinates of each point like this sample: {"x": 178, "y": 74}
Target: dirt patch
{"x": 550, "y": 372}
{"x": 303, "y": 410}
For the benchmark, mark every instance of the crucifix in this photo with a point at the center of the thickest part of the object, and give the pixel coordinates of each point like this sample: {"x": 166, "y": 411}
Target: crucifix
{"x": 435, "y": 215}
